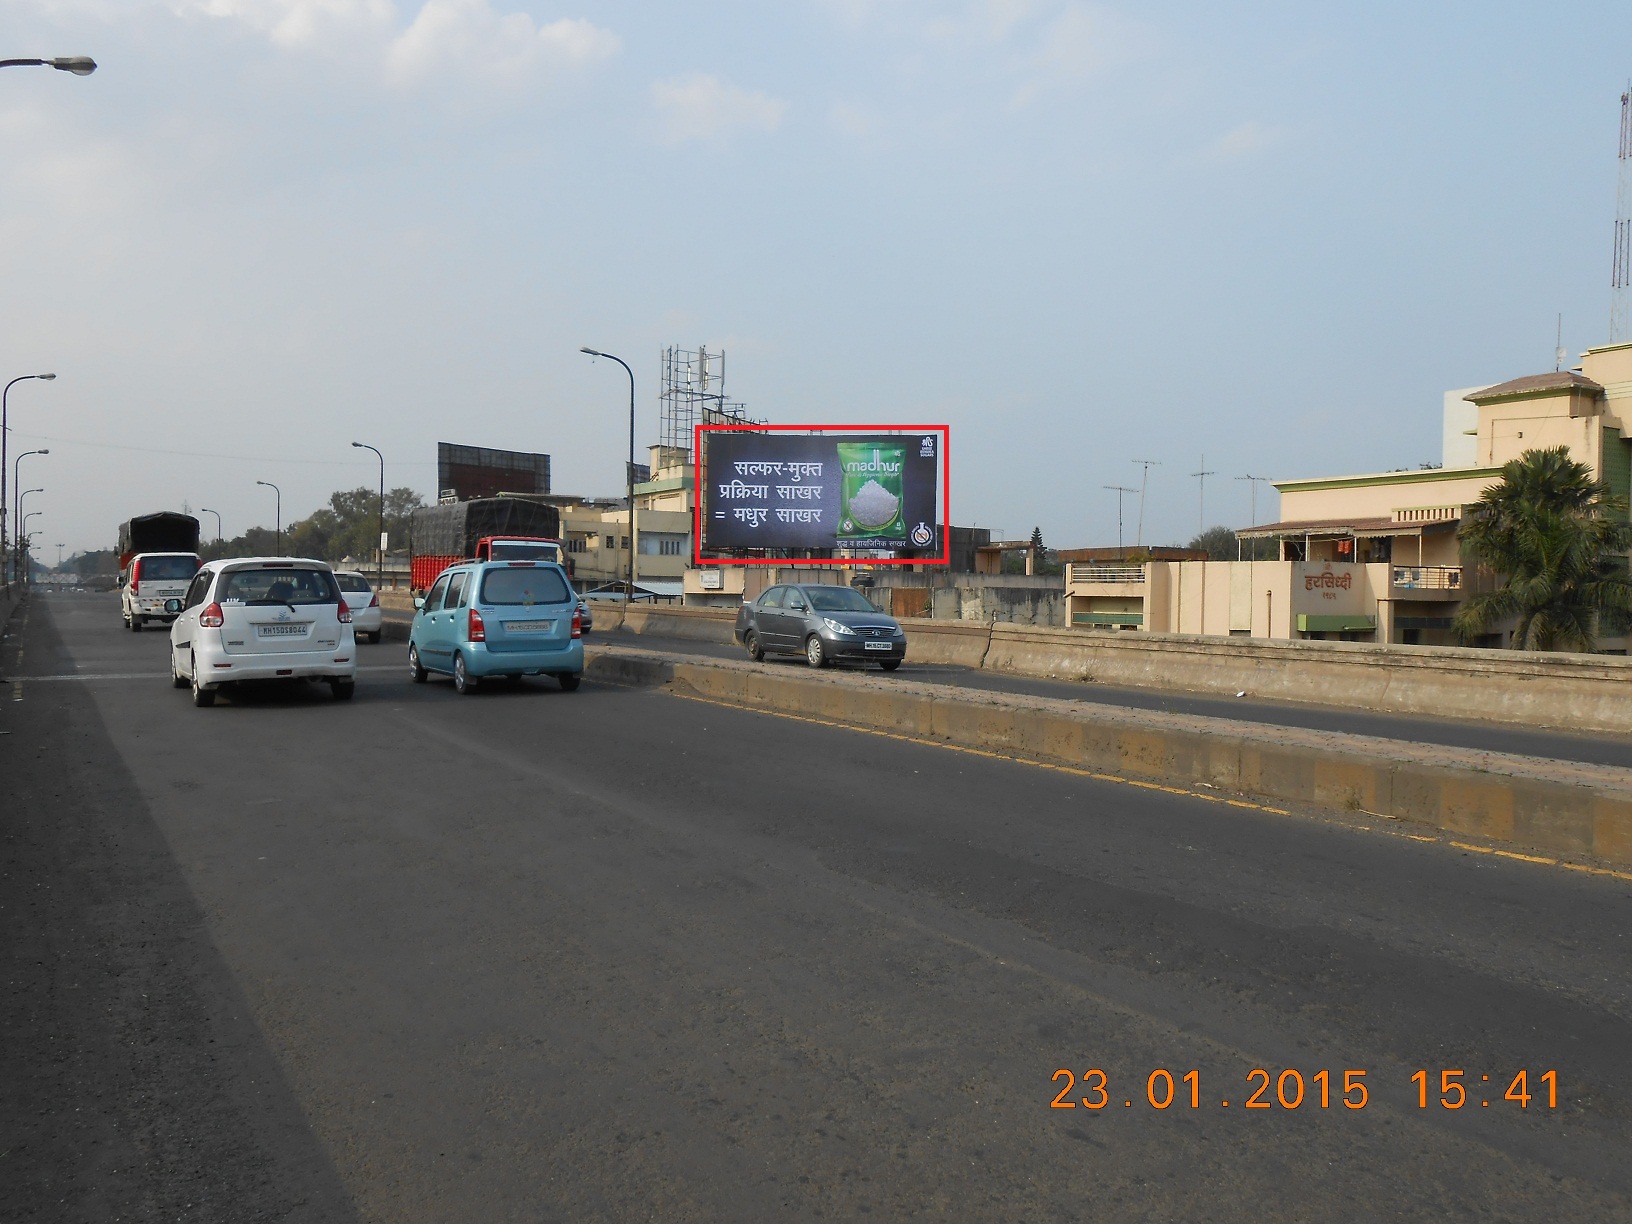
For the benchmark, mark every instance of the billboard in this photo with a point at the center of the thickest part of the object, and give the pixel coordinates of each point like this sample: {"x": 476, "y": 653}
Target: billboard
{"x": 846, "y": 488}
{"x": 467, "y": 472}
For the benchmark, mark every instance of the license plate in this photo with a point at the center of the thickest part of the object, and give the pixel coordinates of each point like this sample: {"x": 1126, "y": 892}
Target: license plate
{"x": 529, "y": 626}
{"x": 279, "y": 631}
{"x": 878, "y": 645}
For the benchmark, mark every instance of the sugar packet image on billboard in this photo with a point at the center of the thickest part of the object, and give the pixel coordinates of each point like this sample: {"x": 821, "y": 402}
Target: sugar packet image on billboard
{"x": 872, "y": 491}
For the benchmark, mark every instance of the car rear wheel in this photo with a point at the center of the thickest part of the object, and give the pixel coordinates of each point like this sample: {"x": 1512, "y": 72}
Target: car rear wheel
{"x": 569, "y": 681}
{"x": 177, "y": 680}
{"x": 342, "y": 689}
{"x": 415, "y": 668}
{"x": 374, "y": 638}
{"x": 463, "y": 681}
{"x": 815, "y": 652}
{"x": 202, "y": 696}
{"x": 756, "y": 652}
{"x": 889, "y": 664}
{"x": 135, "y": 624}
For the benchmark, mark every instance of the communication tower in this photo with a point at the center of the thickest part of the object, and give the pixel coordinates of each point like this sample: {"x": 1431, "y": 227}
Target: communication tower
{"x": 693, "y": 394}
{"x": 1620, "y": 309}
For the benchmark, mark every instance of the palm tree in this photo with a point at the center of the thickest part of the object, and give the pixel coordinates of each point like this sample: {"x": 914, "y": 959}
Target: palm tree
{"x": 1559, "y": 538}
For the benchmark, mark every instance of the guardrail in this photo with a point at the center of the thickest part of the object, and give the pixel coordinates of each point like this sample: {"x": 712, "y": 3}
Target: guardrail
{"x": 1428, "y": 577}
{"x": 1122, "y": 574}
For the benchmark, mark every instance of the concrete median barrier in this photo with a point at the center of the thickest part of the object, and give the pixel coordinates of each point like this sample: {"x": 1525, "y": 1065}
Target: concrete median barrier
{"x": 1551, "y": 807}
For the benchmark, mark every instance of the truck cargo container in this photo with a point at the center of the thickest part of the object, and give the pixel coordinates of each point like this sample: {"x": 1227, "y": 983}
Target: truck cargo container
{"x": 486, "y": 528}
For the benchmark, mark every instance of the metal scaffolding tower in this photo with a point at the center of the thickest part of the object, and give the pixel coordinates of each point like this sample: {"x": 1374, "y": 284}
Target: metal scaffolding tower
{"x": 692, "y": 394}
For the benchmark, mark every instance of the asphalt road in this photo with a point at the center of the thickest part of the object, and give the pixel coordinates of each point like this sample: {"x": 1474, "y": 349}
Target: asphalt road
{"x": 619, "y": 955}
{"x": 1595, "y": 747}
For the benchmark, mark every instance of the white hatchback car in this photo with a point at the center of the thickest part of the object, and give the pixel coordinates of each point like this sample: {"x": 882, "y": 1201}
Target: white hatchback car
{"x": 262, "y": 618}
{"x": 364, "y": 602}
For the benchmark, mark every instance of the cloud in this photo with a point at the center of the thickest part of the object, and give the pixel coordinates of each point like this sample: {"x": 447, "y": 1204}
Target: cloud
{"x": 469, "y": 35}
{"x": 463, "y": 37}
{"x": 702, "y": 107}
{"x": 1246, "y": 140}
{"x": 300, "y": 23}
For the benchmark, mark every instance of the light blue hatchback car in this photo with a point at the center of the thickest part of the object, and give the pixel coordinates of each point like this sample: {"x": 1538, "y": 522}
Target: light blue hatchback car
{"x": 483, "y": 619}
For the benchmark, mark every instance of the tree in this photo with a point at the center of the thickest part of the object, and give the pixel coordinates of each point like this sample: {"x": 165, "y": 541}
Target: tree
{"x": 1217, "y": 542}
{"x": 1222, "y": 544}
{"x": 1037, "y": 542}
{"x": 1557, "y": 539}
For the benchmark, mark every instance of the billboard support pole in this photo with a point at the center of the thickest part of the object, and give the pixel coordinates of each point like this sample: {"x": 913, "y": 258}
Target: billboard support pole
{"x": 629, "y": 590}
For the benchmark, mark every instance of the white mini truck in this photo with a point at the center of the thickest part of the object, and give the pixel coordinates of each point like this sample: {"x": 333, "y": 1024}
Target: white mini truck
{"x": 262, "y": 618}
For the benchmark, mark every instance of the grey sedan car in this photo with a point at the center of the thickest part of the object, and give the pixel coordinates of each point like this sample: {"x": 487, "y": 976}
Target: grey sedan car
{"x": 823, "y": 623}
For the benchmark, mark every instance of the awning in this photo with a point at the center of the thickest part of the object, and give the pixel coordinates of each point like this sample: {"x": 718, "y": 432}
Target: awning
{"x": 1343, "y": 529}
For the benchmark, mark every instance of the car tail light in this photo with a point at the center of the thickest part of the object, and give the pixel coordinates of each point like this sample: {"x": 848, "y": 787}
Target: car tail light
{"x": 345, "y": 613}
{"x": 375, "y": 602}
{"x": 135, "y": 572}
{"x": 577, "y": 623}
{"x": 211, "y": 617}
{"x": 478, "y": 631}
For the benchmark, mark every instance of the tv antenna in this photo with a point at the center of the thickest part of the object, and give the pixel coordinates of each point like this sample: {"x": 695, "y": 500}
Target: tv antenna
{"x": 1256, "y": 481}
{"x": 1144, "y": 476}
{"x": 1119, "y": 490}
{"x": 1558, "y": 347}
{"x": 1201, "y": 496}
{"x": 1620, "y": 278}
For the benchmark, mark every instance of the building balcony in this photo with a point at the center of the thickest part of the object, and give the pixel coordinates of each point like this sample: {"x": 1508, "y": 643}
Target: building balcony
{"x": 1426, "y": 582}
{"x": 1101, "y": 577}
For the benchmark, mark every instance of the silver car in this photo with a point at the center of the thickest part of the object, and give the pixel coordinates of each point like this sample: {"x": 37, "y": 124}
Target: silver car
{"x": 823, "y": 623}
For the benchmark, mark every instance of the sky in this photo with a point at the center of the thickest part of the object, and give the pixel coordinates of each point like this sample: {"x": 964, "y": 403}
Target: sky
{"x": 1250, "y": 239}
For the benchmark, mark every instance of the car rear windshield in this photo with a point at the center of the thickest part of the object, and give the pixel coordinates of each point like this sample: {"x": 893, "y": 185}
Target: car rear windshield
{"x": 838, "y": 599}
{"x": 353, "y": 582}
{"x": 166, "y": 569}
{"x": 524, "y": 586}
{"x": 278, "y": 586}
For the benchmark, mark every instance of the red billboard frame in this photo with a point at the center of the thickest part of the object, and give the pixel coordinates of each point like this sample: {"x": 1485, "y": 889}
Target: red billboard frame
{"x": 697, "y": 558}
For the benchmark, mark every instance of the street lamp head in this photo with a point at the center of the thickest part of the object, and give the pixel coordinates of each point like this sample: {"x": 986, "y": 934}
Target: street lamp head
{"x": 267, "y": 483}
{"x": 356, "y": 443}
{"x": 590, "y": 351}
{"x": 44, "y": 450}
{"x": 79, "y": 65}
{"x": 46, "y": 377}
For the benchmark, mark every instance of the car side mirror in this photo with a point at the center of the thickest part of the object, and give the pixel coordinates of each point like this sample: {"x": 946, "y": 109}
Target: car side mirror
{"x": 172, "y": 606}
{"x": 419, "y": 602}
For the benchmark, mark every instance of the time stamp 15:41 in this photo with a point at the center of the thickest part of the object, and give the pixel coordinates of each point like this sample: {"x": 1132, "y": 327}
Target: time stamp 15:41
{"x": 1290, "y": 1089}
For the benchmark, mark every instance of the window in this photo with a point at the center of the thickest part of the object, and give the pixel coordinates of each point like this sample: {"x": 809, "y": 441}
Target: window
{"x": 609, "y": 542}
{"x": 353, "y": 584}
{"x": 524, "y": 586}
{"x": 456, "y": 590}
{"x": 278, "y": 585}
{"x": 673, "y": 548}
{"x": 167, "y": 569}
{"x": 201, "y": 584}
{"x": 772, "y": 598}
{"x": 433, "y": 601}
{"x": 577, "y": 544}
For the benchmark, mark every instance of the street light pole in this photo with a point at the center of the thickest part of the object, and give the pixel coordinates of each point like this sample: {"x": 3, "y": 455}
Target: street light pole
{"x": 24, "y": 533}
{"x": 629, "y": 592}
{"x": 17, "y": 480}
{"x": 279, "y": 495}
{"x": 207, "y": 510}
{"x": 5, "y": 429}
{"x": 379, "y": 579}
{"x": 79, "y": 65}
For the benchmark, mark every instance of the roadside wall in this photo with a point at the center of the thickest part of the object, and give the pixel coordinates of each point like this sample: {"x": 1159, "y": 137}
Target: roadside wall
{"x": 1575, "y": 692}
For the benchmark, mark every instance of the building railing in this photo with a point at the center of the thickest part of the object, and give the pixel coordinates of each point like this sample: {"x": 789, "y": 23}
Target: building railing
{"x": 1127, "y": 574}
{"x": 1428, "y": 577}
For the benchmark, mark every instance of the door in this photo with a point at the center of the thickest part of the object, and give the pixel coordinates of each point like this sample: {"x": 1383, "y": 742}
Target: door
{"x": 434, "y": 634}
{"x": 768, "y": 618}
{"x": 181, "y": 633}
{"x": 790, "y": 620}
